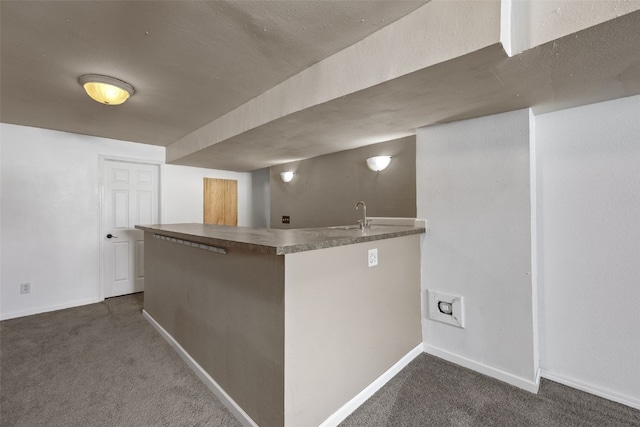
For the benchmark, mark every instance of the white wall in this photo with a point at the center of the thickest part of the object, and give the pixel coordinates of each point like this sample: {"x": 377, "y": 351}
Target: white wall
{"x": 589, "y": 241}
{"x": 473, "y": 188}
{"x": 50, "y": 212}
{"x": 183, "y": 194}
{"x": 51, "y": 216}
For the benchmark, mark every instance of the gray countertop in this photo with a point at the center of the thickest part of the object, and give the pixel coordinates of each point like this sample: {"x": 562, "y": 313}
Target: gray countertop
{"x": 276, "y": 241}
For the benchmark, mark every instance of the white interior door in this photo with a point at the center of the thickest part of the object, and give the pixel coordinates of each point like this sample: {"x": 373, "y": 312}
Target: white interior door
{"x": 130, "y": 198}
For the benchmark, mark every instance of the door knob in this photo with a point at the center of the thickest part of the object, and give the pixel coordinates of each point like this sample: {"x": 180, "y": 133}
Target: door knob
{"x": 109, "y": 236}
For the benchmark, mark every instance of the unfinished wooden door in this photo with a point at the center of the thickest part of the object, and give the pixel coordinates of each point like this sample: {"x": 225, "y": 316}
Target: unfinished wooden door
{"x": 220, "y": 201}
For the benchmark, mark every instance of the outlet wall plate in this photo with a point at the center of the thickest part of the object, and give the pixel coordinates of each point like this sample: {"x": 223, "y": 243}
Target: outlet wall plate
{"x": 373, "y": 257}
{"x": 445, "y": 308}
{"x": 25, "y": 288}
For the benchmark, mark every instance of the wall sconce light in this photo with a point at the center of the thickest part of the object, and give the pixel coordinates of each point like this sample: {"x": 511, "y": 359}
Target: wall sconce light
{"x": 106, "y": 90}
{"x": 287, "y": 176}
{"x": 378, "y": 163}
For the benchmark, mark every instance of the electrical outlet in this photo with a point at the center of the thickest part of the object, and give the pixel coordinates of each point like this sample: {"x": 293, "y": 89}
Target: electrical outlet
{"x": 286, "y": 219}
{"x": 25, "y": 288}
{"x": 373, "y": 257}
{"x": 446, "y": 308}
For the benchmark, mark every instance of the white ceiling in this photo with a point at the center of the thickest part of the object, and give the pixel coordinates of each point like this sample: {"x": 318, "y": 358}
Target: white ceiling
{"x": 198, "y": 64}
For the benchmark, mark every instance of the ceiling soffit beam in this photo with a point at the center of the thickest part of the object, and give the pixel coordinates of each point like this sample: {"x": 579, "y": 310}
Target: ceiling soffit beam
{"x": 439, "y": 31}
{"x": 593, "y": 65}
{"x": 596, "y": 64}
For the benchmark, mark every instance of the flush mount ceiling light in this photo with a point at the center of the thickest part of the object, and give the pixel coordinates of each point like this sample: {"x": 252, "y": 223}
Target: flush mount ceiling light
{"x": 287, "y": 176}
{"x": 378, "y": 163}
{"x": 106, "y": 90}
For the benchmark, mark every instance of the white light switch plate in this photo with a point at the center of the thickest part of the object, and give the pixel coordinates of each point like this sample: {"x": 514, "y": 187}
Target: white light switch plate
{"x": 373, "y": 257}
{"x": 456, "y": 302}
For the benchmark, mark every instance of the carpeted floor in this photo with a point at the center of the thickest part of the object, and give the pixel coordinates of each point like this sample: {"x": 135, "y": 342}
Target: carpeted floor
{"x": 104, "y": 365}
{"x": 433, "y": 392}
{"x": 98, "y": 365}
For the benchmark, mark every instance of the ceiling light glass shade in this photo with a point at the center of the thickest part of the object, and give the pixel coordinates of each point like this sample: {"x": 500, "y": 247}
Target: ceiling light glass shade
{"x": 378, "y": 163}
{"x": 287, "y": 176}
{"x": 106, "y": 90}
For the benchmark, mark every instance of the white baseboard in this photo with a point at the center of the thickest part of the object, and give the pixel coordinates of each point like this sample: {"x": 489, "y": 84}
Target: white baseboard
{"x": 40, "y": 310}
{"x": 523, "y": 383}
{"x": 346, "y": 410}
{"x": 597, "y": 391}
{"x": 333, "y": 420}
{"x": 224, "y": 398}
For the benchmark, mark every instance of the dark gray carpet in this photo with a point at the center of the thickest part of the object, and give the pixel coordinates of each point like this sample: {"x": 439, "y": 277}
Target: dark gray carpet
{"x": 98, "y": 365}
{"x": 433, "y": 392}
{"x": 104, "y": 365}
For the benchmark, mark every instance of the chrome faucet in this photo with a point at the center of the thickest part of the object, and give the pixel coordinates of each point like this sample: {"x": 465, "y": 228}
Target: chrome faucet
{"x": 362, "y": 222}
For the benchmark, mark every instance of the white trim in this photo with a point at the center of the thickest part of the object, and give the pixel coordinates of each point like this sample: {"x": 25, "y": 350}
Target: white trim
{"x": 224, "y": 398}
{"x": 533, "y": 208}
{"x": 161, "y": 212}
{"x": 346, "y": 410}
{"x": 505, "y": 26}
{"x": 595, "y": 390}
{"x": 525, "y": 384}
{"x": 130, "y": 159}
{"x": 101, "y": 160}
{"x": 538, "y": 376}
{"x": 39, "y": 310}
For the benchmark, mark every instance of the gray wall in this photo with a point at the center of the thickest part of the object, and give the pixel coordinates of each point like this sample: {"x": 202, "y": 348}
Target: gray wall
{"x": 227, "y": 312}
{"x": 325, "y": 188}
{"x": 260, "y": 198}
{"x": 346, "y": 323}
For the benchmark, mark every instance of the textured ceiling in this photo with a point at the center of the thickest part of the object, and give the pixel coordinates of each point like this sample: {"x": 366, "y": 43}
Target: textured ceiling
{"x": 599, "y": 63}
{"x": 199, "y": 64}
{"x": 189, "y": 61}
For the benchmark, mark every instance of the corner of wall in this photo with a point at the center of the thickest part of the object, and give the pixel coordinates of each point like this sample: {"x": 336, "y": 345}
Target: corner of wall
{"x": 474, "y": 365}
{"x": 505, "y": 26}
{"x": 533, "y": 173}
{"x": 474, "y": 184}
{"x": 587, "y": 237}
{"x": 515, "y": 26}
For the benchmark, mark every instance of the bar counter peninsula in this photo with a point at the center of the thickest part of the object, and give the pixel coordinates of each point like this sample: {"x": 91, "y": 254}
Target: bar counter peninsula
{"x": 288, "y": 327}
